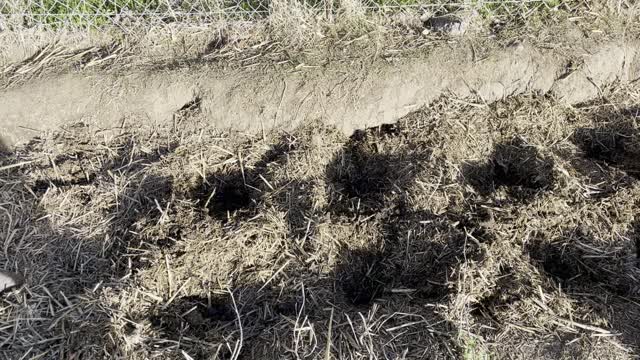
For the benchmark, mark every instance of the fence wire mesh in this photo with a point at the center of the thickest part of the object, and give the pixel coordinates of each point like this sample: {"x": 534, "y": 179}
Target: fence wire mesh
{"x": 92, "y": 14}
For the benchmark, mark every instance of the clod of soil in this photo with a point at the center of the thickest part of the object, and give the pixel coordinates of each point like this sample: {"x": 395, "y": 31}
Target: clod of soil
{"x": 190, "y": 107}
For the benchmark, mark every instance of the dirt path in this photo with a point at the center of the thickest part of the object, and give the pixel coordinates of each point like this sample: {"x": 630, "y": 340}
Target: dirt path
{"x": 350, "y": 97}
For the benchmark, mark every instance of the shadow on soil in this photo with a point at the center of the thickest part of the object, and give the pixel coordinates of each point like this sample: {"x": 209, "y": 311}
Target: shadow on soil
{"x": 408, "y": 262}
{"x": 227, "y": 195}
{"x": 603, "y": 279}
{"x": 395, "y": 275}
{"x": 514, "y": 165}
{"x": 144, "y": 200}
{"x": 576, "y": 261}
{"x": 408, "y": 267}
{"x": 610, "y": 150}
{"x": 416, "y": 255}
{"x": 365, "y": 178}
{"x": 74, "y": 263}
{"x": 372, "y": 182}
{"x": 508, "y": 291}
{"x": 236, "y": 192}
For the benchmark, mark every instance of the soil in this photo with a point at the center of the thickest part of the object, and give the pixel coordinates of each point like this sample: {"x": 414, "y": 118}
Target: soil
{"x": 440, "y": 206}
{"x": 349, "y": 96}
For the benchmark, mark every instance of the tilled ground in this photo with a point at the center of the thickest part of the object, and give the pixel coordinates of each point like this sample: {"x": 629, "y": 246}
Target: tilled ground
{"x": 463, "y": 231}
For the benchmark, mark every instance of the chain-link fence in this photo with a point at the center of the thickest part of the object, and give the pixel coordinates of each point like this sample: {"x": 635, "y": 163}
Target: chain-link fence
{"x": 91, "y": 14}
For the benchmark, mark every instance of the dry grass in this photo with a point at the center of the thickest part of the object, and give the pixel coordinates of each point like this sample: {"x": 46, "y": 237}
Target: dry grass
{"x": 466, "y": 230}
{"x": 294, "y": 33}
{"x": 294, "y": 21}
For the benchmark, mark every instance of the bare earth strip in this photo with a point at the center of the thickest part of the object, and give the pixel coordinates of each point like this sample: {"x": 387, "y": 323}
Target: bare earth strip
{"x": 349, "y": 97}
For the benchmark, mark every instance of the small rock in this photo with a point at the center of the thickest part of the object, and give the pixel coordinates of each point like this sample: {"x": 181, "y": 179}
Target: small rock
{"x": 448, "y": 24}
{"x": 516, "y": 45}
{"x": 451, "y": 24}
{"x": 9, "y": 280}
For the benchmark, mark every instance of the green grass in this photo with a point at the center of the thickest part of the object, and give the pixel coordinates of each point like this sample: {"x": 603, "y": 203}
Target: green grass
{"x": 472, "y": 351}
{"x": 96, "y": 13}
{"x": 87, "y": 12}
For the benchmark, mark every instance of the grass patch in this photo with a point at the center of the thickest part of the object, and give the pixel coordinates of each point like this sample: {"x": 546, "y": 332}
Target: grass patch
{"x": 84, "y": 13}
{"x": 98, "y": 13}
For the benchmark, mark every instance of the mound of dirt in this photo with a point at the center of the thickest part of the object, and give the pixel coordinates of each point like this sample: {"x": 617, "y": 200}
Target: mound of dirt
{"x": 349, "y": 96}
